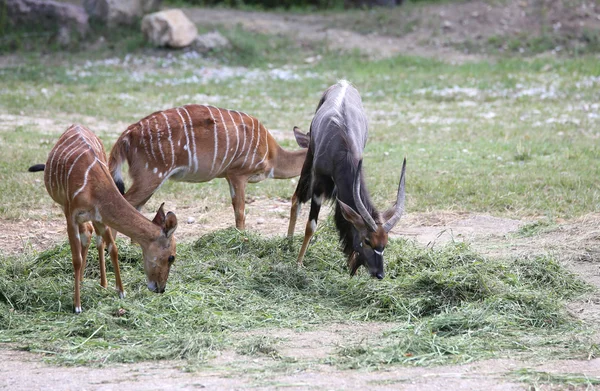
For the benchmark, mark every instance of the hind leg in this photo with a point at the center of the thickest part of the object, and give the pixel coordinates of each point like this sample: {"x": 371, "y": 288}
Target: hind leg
{"x": 85, "y": 235}
{"x": 237, "y": 189}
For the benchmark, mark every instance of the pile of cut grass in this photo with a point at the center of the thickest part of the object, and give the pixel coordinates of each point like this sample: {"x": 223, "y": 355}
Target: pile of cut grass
{"x": 446, "y": 305}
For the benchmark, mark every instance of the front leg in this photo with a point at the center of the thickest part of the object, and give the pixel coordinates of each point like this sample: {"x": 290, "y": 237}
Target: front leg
{"x": 311, "y": 224}
{"x": 100, "y": 245}
{"x": 301, "y": 195}
{"x": 107, "y": 239}
{"x": 237, "y": 189}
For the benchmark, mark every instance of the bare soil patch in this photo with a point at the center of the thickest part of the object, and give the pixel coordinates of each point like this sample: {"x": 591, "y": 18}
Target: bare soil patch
{"x": 442, "y": 31}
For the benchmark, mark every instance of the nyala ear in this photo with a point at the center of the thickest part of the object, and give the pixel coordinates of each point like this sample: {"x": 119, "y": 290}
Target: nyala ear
{"x": 170, "y": 225}
{"x": 303, "y": 139}
{"x": 352, "y": 216}
{"x": 159, "y": 219}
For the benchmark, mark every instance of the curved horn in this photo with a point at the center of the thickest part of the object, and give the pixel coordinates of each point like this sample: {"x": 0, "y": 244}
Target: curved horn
{"x": 364, "y": 213}
{"x": 397, "y": 209}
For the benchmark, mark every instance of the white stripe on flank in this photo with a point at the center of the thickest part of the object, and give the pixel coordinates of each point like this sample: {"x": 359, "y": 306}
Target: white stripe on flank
{"x": 150, "y": 135}
{"x": 243, "y": 130}
{"x": 60, "y": 159}
{"x": 237, "y": 136}
{"x": 65, "y": 173}
{"x": 216, "y": 140}
{"x": 257, "y": 143}
{"x": 187, "y": 138}
{"x": 85, "y": 179}
{"x": 249, "y": 145}
{"x": 54, "y": 152}
{"x": 226, "y": 141}
{"x": 193, "y": 139}
{"x": 72, "y": 166}
{"x": 170, "y": 140}
{"x": 267, "y": 144}
{"x": 144, "y": 140}
{"x": 157, "y": 126}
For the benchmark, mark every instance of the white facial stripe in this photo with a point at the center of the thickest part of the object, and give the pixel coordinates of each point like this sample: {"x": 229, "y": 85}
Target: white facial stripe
{"x": 187, "y": 138}
{"x": 224, "y": 158}
{"x": 170, "y": 139}
{"x": 249, "y": 145}
{"x": 192, "y": 136}
{"x": 378, "y": 252}
{"x": 212, "y": 168}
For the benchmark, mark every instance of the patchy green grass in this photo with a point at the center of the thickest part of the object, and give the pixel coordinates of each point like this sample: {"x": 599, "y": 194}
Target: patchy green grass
{"x": 446, "y": 306}
{"x": 570, "y": 380}
{"x": 514, "y": 137}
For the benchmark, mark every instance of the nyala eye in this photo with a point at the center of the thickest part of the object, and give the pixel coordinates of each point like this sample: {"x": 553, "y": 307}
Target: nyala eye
{"x": 171, "y": 258}
{"x": 367, "y": 242}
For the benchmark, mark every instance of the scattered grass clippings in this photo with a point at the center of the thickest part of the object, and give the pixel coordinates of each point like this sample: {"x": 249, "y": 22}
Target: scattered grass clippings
{"x": 446, "y": 305}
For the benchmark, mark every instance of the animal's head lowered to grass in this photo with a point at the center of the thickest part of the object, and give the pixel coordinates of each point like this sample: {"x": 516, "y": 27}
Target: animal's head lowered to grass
{"x": 371, "y": 237}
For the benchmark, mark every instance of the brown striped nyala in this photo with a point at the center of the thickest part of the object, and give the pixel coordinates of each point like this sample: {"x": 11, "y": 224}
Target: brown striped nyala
{"x": 76, "y": 176}
{"x": 196, "y": 143}
{"x": 333, "y": 168}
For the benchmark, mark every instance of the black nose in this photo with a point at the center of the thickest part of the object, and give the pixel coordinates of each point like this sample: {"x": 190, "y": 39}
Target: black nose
{"x": 379, "y": 276}
{"x": 161, "y": 290}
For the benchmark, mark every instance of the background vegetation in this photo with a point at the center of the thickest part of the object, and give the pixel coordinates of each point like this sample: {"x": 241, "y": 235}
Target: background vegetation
{"x": 514, "y": 136}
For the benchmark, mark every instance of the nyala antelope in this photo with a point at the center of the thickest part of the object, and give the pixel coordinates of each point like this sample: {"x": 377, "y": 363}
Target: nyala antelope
{"x": 333, "y": 167}
{"x": 196, "y": 143}
{"x": 77, "y": 178}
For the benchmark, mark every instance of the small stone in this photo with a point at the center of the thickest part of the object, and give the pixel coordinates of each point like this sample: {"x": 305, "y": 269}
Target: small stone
{"x": 191, "y": 220}
{"x": 260, "y": 220}
{"x": 169, "y": 28}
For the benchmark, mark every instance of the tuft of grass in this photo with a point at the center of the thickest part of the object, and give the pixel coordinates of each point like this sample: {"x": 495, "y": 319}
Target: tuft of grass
{"x": 445, "y": 305}
{"x": 570, "y": 380}
{"x": 260, "y": 345}
{"x": 536, "y": 228}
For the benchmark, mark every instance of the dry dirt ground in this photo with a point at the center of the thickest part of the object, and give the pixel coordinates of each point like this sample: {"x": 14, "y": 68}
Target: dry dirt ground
{"x": 576, "y": 242}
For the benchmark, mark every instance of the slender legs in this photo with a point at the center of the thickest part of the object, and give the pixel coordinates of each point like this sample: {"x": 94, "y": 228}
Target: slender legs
{"x": 237, "y": 189}
{"x": 301, "y": 195}
{"x": 76, "y": 251}
{"x": 311, "y": 224}
{"x": 79, "y": 239}
{"x": 85, "y": 236}
{"x": 107, "y": 239}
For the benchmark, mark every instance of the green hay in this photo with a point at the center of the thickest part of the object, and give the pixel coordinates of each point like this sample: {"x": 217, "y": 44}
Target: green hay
{"x": 444, "y": 305}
